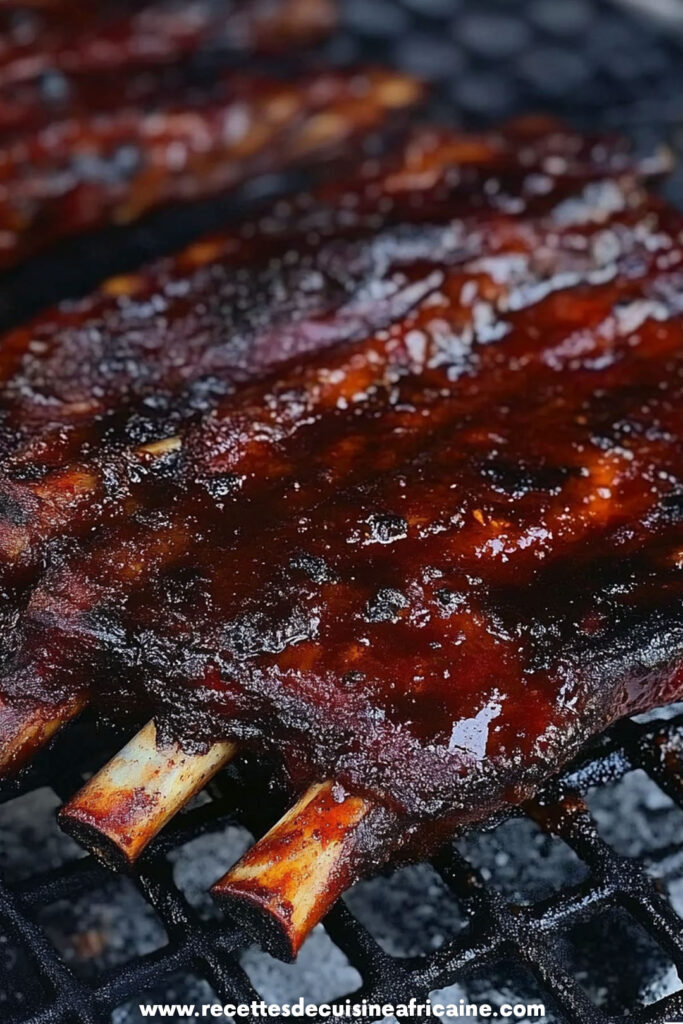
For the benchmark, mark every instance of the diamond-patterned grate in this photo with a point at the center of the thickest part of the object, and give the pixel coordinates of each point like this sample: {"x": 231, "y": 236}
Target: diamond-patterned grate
{"x": 498, "y": 930}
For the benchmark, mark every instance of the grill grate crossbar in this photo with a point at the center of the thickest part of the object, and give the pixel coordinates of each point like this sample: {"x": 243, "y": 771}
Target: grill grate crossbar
{"x": 498, "y": 930}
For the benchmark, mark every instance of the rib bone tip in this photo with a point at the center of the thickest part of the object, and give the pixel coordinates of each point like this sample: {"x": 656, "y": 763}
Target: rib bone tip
{"x": 114, "y": 855}
{"x": 288, "y": 881}
{"x": 265, "y": 923}
{"x": 126, "y": 804}
{"x": 24, "y": 730}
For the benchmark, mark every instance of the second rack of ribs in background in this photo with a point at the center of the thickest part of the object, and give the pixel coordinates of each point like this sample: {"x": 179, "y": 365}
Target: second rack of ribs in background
{"x": 100, "y": 167}
{"x": 54, "y": 55}
{"x": 419, "y": 396}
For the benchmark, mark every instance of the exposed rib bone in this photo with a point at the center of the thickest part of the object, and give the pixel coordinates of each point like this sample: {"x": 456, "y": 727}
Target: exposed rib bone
{"x": 23, "y": 731}
{"x": 288, "y": 881}
{"x": 122, "y": 808}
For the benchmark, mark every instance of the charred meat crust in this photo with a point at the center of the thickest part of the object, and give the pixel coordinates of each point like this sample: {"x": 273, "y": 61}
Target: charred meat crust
{"x": 86, "y": 385}
{"x": 441, "y": 547}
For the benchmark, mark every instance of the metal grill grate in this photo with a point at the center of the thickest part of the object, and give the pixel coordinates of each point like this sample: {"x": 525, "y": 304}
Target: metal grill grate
{"x": 603, "y": 67}
{"x": 498, "y": 930}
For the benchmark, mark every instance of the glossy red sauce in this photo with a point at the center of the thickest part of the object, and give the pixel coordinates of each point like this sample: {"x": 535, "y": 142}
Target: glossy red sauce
{"x": 431, "y": 558}
{"x": 156, "y": 349}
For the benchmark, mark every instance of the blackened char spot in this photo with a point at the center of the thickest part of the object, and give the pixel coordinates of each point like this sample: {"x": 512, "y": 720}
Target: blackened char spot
{"x": 27, "y": 472}
{"x": 222, "y": 485}
{"x": 385, "y": 605}
{"x": 12, "y": 511}
{"x": 672, "y": 509}
{"x": 448, "y": 600}
{"x": 385, "y": 529}
{"x": 314, "y": 567}
{"x": 517, "y": 479}
{"x": 352, "y": 679}
{"x": 260, "y": 633}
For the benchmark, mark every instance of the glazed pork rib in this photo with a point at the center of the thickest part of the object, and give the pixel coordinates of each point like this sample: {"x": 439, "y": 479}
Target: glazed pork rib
{"x": 510, "y": 450}
{"x": 426, "y": 564}
{"x": 105, "y": 168}
{"x": 102, "y": 812}
{"x": 151, "y": 349}
{"x": 84, "y": 59}
{"x": 442, "y": 637}
{"x": 114, "y": 373}
{"x": 442, "y": 178}
{"x": 101, "y": 126}
{"x": 69, "y": 380}
{"x": 50, "y": 367}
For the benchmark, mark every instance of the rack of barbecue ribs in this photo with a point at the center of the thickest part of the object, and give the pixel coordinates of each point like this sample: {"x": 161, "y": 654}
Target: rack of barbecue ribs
{"x": 78, "y": 38}
{"x": 100, "y": 123}
{"x": 94, "y": 385}
{"x": 412, "y": 527}
{"x": 110, "y": 167}
{"x": 73, "y": 59}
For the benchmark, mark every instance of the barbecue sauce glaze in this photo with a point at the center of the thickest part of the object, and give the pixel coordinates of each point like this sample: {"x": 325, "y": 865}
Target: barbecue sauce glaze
{"x": 432, "y": 558}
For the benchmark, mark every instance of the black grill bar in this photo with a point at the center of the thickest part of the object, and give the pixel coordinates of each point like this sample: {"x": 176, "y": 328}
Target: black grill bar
{"x": 517, "y": 933}
{"x": 498, "y": 929}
